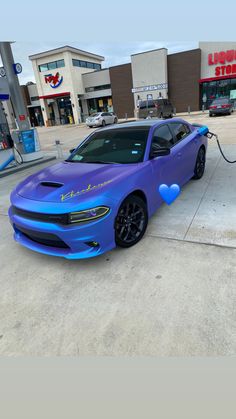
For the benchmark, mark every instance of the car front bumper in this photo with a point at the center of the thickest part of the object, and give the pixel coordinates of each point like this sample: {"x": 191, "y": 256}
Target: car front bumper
{"x": 73, "y": 241}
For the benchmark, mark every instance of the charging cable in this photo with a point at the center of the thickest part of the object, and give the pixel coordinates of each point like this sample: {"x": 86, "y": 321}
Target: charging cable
{"x": 210, "y": 135}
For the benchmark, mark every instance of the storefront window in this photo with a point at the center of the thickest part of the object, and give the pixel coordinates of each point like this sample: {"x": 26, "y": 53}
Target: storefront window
{"x": 216, "y": 89}
{"x": 103, "y": 104}
{"x": 233, "y": 91}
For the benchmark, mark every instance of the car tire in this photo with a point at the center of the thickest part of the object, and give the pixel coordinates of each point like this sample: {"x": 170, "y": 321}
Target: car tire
{"x": 200, "y": 164}
{"x": 115, "y": 120}
{"x": 161, "y": 115}
{"x": 210, "y": 114}
{"x": 103, "y": 123}
{"x": 131, "y": 221}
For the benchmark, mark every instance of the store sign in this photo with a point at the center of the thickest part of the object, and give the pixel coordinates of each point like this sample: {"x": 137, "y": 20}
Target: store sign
{"x": 160, "y": 86}
{"x": 225, "y": 58}
{"x": 54, "y": 81}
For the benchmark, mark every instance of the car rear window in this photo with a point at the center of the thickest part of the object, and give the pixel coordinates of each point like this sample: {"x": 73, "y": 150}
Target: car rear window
{"x": 220, "y": 101}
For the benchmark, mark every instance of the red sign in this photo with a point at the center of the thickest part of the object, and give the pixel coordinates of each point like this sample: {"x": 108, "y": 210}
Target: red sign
{"x": 223, "y": 57}
{"x": 22, "y": 117}
{"x": 54, "y": 81}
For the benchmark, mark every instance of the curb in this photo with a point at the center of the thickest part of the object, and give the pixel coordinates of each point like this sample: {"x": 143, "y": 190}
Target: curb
{"x": 20, "y": 168}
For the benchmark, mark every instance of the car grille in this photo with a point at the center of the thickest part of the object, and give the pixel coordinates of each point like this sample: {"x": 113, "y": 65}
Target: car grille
{"x": 43, "y": 238}
{"x": 48, "y": 218}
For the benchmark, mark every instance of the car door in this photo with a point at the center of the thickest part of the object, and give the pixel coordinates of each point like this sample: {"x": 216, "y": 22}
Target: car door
{"x": 186, "y": 145}
{"x": 104, "y": 116}
{"x": 111, "y": 117}
{"x": 165, "y": 169}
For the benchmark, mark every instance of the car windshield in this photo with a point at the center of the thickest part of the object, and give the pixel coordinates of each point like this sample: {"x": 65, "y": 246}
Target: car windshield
{"x": 121, "y": 145}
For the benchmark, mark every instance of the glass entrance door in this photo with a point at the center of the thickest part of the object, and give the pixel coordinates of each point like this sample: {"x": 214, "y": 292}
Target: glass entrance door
{"x": 65, "y": 109}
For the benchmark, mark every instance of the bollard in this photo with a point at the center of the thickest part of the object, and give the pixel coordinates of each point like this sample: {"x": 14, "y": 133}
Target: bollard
{"x": 59, "y": 149}
{"x": 203, "y": 108}
{"x": 189, "y": 110}
{"x": 174, "y": 111}
{"x": 126, "y": 116}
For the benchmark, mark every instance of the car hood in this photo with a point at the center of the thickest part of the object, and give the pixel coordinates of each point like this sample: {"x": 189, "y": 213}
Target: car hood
{"x": 66, "y": 180}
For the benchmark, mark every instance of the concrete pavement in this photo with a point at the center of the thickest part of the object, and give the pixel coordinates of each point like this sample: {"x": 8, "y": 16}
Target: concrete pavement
{"x": 72, "y": 135}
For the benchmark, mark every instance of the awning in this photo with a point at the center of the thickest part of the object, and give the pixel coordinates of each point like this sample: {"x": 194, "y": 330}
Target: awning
{"x": 52, "y": 96}
{"x": 231, "y": 76}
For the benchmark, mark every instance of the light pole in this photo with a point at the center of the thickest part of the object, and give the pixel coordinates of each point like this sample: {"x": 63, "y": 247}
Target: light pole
{"x": 14, "y": 86}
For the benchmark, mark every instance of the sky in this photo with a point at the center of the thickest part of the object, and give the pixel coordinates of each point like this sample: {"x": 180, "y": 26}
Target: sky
{"x": 114, "y": 52}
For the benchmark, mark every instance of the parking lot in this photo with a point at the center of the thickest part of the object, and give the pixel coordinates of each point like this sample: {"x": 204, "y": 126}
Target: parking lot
{"x": 173, "y": 293}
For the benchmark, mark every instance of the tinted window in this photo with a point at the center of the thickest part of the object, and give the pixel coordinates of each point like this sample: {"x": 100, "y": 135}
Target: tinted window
{"x": 151, "y": 103}
{"x": 220, "y": 101}
{"x": 143, "y": 104}
{"x": 43, "y": 67}
{"x": 52, "y": 65}
{"x": 60, "y": 63}
{"x": 162, "y": 137}
{"x": 179, "y": 130}
{"x": 124, "y": 145}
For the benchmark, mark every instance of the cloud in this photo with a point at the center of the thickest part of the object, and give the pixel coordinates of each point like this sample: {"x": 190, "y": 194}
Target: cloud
{"x": 114, "y": 52}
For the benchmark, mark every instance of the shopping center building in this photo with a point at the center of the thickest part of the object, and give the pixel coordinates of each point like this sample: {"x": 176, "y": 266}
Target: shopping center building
{"x": 71, "y": 83}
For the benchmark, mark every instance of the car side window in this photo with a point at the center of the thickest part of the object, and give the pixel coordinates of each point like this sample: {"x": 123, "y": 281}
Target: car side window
{"x": 179, "y": 130}
{"x": 162, "y": 137}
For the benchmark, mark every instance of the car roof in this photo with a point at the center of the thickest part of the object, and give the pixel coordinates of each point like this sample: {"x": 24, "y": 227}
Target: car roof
{"x": 145, "y": 123}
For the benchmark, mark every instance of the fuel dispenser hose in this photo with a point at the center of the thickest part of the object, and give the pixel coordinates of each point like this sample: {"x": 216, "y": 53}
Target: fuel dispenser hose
{"x": 210, "y": 135}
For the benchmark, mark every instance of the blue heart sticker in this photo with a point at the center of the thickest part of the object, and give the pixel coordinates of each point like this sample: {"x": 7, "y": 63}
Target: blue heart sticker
{"x": 169, "y": 193}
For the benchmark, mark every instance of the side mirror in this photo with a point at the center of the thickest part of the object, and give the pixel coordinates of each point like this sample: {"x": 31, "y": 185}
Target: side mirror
{"x": 203, "y": 130}
{"x": 158, "y": 152}
{"x": 72, "y": 150}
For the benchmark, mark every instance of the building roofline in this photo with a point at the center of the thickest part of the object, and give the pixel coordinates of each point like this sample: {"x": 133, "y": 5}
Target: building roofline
{"x": 95, "y": 71}
{"x": 63, "y": 49}
{"x": 187, "y": 50}
{"x": 151, "y": 50}
{"x": 120, "y": 65}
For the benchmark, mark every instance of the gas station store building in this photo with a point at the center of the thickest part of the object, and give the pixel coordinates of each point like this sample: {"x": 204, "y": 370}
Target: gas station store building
{"x": 71, "y": 83}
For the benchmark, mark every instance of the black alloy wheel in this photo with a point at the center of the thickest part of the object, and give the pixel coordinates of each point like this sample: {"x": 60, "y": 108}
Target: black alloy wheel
{"x": 103, "y": 123}
{"x": 131, "y": 221}
{"x": 200, "y": 164}
{"x": 115, "y": 120}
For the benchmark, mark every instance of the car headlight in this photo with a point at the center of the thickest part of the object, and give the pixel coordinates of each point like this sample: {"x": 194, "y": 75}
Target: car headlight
{"x": 97, "y": 119}
{"x": 88, "y": 215}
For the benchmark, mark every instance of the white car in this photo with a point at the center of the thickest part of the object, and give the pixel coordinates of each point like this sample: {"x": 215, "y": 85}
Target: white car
{"x": 101, "y": 119}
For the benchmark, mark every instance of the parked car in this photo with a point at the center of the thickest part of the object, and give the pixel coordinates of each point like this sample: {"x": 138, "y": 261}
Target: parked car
{"x": 101, "y": 119}
{"x": 105, "y": 192}
{"x": 160, "y": 108}
{"x": 221, "y": 106}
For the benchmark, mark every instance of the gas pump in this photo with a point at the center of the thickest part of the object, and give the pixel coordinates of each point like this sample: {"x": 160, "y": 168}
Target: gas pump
{"x": 6, "y": 143}
{"x": 27, "y": 143}
{"x": 25, "y": 139}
